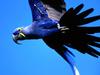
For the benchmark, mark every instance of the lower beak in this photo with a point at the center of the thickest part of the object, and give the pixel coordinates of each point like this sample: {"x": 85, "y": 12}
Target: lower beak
{"x": 15, "y": 39}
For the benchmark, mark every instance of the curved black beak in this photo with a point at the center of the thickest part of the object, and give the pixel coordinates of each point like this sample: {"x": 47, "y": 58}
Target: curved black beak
{"x": 15, "y": 39}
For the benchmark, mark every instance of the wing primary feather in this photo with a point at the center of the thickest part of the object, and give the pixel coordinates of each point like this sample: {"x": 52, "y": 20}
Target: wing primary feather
{"x": 89, "y": 20}
{"x": 78, "y": 9}
{"x": 93, "y": 38}
{"x": 94, "y": 44}
{"x": 88, "y": 30}
{"x": 84, "y": 48}
{"x": 85, "y": 13}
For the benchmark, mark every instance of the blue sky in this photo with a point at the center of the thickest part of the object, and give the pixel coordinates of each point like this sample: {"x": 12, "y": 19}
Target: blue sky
{"x": 33, "y": 57}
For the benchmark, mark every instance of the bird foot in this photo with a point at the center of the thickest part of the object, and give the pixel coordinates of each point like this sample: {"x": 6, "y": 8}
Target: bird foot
{"x": 62, "y": 28}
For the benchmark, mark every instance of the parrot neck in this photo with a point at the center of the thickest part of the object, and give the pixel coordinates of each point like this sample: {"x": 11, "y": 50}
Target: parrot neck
{"x": 29, "y": 31}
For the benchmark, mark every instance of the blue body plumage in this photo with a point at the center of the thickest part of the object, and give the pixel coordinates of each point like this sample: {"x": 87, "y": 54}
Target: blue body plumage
{"x": 59, "y": 29}
{"x": 41, "y": 28}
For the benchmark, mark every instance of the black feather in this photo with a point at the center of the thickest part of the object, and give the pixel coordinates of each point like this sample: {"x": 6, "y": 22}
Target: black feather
{"x": 78, "y": 9}
{"x": 88, "y": 30}
{"x": 84, "y": 48}
{"x": 58, "y": 5}
{"x": 89, "y": 20}
{"x": 76, "y": 37}
{"x": 85, "y": 13}
{"x": 72, "y": 18}
{"x": 94, "y": 44}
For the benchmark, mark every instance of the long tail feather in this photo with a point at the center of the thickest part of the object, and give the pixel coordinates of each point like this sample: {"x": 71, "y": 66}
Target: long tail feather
{"x": 76, "y": 71}
{"x": 69, "y": 59}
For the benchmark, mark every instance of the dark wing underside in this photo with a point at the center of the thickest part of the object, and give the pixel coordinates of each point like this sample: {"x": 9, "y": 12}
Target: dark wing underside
{"x": 58, "y": 5}
{"x": 55, "y": 8}
{"x": 77, "y": 36}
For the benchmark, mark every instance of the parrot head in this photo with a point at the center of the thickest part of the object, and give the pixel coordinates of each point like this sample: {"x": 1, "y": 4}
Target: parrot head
{"x": 18, "y": 35}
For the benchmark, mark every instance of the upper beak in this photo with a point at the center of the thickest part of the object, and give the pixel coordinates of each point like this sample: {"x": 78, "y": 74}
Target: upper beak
{"x": 15, "y": 39}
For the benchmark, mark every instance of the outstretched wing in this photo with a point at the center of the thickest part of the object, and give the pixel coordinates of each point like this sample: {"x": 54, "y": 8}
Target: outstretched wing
{"x": 53, "y": 9}
{"x": 73, "y": 18}
{"x": 77, "y": 36}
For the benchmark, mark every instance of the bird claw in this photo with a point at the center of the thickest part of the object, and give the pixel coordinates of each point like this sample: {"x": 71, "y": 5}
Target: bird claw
{"x": 62, "y": 28}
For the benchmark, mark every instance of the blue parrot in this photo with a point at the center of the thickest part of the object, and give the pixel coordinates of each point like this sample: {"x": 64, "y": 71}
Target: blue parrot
{"x": 59, "y": 28}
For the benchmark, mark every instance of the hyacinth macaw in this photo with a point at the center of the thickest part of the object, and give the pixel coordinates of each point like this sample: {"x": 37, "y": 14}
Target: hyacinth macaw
{"x": 59, "y": 28}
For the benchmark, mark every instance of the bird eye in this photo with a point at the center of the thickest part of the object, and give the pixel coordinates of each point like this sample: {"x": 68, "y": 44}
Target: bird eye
{"x": 19, "y": 29}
